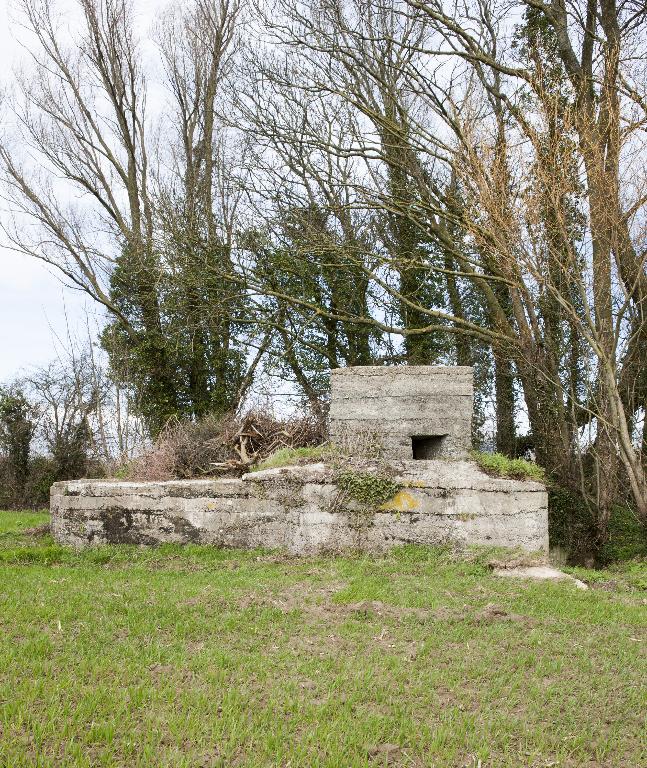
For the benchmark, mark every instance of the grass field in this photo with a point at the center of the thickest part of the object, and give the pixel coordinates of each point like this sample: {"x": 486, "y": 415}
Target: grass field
{"x": 204, "y": 657}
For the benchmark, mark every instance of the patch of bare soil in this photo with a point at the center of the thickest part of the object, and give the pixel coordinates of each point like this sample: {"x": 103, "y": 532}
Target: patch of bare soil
{"x": 378, "y": 609}
{"x": 489, "y": 614}
{"x": 301, "y": 596}
{"x": 37, "y": 531}
{"x": 385, "y": 754}
{"x": 179, "y": 675}
{"x": 492, "y": 613}
{"x": 317, "y": 603}
{"x": 517, "y": 561}
{"x": 279, "y": 558}
{"x": 608, "y": 586}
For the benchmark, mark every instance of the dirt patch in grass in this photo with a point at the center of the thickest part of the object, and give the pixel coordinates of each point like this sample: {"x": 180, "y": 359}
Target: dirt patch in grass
{"x": 385, "y": 754}
{"x": 302, "y": 596}
{"x": 38, "y": 531}
{"x": 317, "y": 603}
{"x": 378, "y": 609}
{"x": 495, "y": 613}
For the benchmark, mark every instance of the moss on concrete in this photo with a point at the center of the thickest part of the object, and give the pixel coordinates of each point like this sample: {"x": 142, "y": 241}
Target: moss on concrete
{"x": 369, "y": 488}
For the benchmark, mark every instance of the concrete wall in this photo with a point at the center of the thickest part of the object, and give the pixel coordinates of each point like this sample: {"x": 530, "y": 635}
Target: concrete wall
{"x": 400, "y": 403}
{"x": 301, "y": 510}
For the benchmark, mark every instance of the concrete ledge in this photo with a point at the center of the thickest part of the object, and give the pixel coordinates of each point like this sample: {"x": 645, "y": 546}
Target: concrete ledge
{"x": 300, "y": 510}
{"x": 452, "y": 371}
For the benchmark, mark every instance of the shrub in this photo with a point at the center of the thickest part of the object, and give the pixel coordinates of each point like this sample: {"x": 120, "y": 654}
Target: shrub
{"x": 627, "y": 537}
{"x": 259, "y": 434}
{"x": 184, "y": 449}
{"x": 571, "y": 524}
{"x": 17, "y": 426}
{"x": 501, "y": 466}
{"x": 42, "y": 473}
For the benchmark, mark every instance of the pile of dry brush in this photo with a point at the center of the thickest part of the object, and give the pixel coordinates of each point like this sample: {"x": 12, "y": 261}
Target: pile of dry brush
{"x": 227, "y": 445}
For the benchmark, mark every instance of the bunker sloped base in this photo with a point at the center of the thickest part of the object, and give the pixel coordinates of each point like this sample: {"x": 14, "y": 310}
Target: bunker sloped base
{"x": 301, "y": 510}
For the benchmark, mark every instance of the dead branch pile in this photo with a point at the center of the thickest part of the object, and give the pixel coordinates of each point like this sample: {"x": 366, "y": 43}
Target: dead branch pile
{"x": 259, "y": 434}
{"x": 223, "y": 445}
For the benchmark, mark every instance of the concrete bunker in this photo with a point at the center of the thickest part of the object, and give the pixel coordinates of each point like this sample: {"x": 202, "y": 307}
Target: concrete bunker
{"x": 421, "y": 416}
{"x": 419, "y": 412}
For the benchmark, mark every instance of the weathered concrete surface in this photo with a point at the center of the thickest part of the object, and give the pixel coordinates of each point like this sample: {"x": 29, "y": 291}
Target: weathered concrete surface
{"x": 402, "y": 403}
{"x": 541, "y": 573}
{"x": 301, "y": 510}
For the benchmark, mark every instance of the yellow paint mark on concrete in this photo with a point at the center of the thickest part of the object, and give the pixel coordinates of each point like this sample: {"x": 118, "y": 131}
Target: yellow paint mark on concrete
{"x": 403, "y": 501}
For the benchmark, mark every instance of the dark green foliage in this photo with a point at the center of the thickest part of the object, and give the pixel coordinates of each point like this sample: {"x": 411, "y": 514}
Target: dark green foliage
{"x": 17, "y": 426}
{"x": 174, "y": 342}
{"x": 571, "y": 525}
{"x": 42, "y": 473}
{"x": 314, "y": 260}
{"x": 424, "y": 286}
{"x": 135, "y": 342}
{"x": 627, "y": 537}
{"x": 70, "y": 450}
{"x": 46, "y": 433}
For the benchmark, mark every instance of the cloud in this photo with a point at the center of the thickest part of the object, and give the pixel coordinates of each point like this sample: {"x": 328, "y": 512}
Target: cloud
{"x": 37, "y": 313}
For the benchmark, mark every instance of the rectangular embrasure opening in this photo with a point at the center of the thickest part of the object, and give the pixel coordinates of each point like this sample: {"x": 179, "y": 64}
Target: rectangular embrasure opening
{"x": 427, "y": 446}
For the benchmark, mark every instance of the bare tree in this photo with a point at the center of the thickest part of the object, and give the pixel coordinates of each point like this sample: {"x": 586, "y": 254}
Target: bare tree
{"x": 454, "y": 129}
{"x": 150, "y": 241}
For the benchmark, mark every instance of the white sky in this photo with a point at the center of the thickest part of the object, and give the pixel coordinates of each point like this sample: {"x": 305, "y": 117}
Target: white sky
{"x": 37, "y": 312}
{"x": 35, "y": 308}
